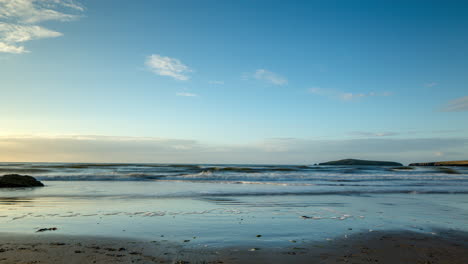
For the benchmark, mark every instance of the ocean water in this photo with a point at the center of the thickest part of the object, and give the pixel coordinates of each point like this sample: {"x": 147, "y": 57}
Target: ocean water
{"x": 223, "y": 205}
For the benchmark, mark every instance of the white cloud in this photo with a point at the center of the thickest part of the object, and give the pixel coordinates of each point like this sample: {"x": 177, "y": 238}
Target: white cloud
{"x": 19, "y": 18}
{"x": 166, "y": 66}
{"x": 34, "y": 11}
{"x": 344, "y": 95}
{"x": 186, "y": 94}
{"x": 266, "y": 76}
{"x": 457, "y": 105}
{"x": 5, "y": 48}
{"x": 69, "y": 3}
{"x": 16, "y": 33}
{"x": 430, "y": 84}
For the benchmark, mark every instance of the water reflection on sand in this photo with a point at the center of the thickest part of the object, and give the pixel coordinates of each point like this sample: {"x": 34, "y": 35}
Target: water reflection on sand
{"x": 105, "y": 209}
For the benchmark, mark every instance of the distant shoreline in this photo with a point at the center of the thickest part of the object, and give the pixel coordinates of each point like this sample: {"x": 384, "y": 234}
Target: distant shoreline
{"x": 358, "y": 162}
{"x": 442, "y": 163}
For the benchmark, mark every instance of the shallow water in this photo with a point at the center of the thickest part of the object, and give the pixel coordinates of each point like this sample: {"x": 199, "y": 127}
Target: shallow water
{"x": 221, "y": 205}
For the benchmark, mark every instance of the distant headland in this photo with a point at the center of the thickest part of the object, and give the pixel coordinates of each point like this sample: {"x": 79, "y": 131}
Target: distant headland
{"x": 442, "y": 163}
{"x": 361, "y": 162}
{"x": 463, "y": 163}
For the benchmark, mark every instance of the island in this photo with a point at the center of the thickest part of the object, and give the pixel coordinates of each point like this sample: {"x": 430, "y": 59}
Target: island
{"x": 361, "y": 162}
{"x": 442, "y": 163}
{"x": 15, "y": 180}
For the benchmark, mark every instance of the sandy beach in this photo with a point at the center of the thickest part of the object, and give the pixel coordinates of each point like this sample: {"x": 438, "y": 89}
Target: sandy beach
{"x": 373, "y": 247}
{"x": 223, "y": 214}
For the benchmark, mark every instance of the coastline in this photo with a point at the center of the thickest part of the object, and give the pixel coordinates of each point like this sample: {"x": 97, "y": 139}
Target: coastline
{"x": 328, "y": 214}
{"x": 393, "y": 246}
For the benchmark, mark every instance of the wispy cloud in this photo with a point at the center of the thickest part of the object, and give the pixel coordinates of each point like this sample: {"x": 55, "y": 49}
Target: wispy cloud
{"x": 19, "y": 19}
{"x": 430, "y": 84}
{"x": 186, "y": 94}
{"x": 346, "y": 96}
{"x": 266, "y": 76}
{"x": 34, "y": 11}
{"x": 166, "y": 66}
{"x": 457, "y": 105}
{"x": 270, "y": 77}
{"x": 18, "y": 33}
{"x": 372, "y": 134}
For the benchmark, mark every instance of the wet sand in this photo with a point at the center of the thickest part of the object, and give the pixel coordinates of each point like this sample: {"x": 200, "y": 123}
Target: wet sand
{"x": 374, "y": 247}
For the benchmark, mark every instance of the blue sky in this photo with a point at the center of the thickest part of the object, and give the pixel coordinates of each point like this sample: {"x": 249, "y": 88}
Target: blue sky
{"x": 240, "y": 81}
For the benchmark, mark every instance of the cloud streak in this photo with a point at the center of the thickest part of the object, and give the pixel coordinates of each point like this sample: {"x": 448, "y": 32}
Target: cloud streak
{"x": 266, "y": 76}
{"x": 90, "y": 148}
{"x": 186, "y": 94}
{"x": 16, "y": 33}
{"x": 372, "y": 134}
{"x": 270, "y": 77}
{"x": 457, "y": 105}
{"x": 19, "y": 19}
{"x": 345, "y": 96}
{"x": 166, "y": 66}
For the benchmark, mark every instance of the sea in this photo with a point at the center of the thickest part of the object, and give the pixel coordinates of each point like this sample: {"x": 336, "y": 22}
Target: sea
{"x": 218, "y": 205}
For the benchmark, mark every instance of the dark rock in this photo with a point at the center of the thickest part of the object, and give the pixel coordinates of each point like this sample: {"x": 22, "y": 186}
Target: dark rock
{"x": 361, "y": 162}
{"x": 46, "y": 229}
{"x": 16, "y": 180}
{"x": 57, "y": 244}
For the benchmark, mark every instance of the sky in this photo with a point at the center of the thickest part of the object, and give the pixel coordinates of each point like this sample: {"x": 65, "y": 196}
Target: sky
{"x": 288, "y": 82}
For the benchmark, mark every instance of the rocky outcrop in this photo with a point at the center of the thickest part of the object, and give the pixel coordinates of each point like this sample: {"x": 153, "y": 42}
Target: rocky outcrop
{"x": 16, "y": 180}
{"x": 442, "y": 163}
{"x": 361, "y": 162}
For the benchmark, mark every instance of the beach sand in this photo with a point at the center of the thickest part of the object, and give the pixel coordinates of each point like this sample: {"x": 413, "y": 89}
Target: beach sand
{"x": 374, "y": 247}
